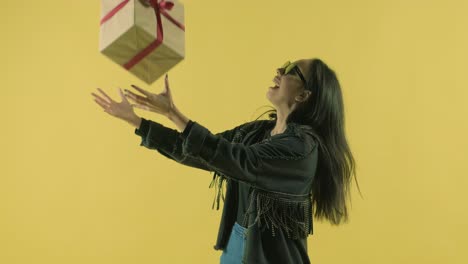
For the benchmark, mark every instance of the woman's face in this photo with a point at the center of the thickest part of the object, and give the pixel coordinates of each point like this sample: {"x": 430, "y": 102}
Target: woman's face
{"x": 289, "y": 89}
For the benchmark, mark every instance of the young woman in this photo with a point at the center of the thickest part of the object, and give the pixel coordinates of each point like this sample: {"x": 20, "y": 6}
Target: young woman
{"x": 276, "y": 171}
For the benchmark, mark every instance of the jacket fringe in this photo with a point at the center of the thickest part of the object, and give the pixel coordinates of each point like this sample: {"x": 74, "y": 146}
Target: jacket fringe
{"x": 218, "y": 180}
{"x": 292, "y": 216}
{"x": 274, "y": 211}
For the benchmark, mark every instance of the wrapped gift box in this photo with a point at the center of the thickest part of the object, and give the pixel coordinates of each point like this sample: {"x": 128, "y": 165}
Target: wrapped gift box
{"x": 145, "y": 37}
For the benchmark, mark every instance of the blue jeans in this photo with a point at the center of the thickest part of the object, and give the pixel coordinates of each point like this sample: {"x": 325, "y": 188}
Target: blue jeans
{"x": 234, "y": 250}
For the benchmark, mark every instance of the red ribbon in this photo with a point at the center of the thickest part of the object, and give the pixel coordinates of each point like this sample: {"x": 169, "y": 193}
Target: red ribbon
{"x": 159, "y": 8}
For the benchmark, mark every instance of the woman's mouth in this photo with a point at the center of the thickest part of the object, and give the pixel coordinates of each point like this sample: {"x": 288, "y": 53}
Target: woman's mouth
{"x": 276, "y": 82}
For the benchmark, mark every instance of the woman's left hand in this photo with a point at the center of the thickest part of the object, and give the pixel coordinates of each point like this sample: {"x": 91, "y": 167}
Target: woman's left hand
{"x": 161, "y": 103}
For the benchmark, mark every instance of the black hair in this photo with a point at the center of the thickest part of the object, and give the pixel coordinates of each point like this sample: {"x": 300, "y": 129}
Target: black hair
{"x": 324, "y": 111}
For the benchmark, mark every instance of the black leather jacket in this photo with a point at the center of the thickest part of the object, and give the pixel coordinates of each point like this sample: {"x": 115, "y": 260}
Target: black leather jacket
{"x": 280, "y": 170}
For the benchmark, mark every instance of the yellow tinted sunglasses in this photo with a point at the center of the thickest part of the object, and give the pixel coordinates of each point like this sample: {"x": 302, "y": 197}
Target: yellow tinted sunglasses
{"x": 289, "y": 66}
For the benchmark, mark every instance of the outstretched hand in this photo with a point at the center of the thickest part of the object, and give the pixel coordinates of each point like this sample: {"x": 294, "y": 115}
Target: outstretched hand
{"x": 161, "y": 103}
{"x": 122, "y": 110}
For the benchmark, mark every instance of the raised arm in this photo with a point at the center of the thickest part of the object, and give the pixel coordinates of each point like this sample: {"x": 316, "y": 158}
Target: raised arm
{"x": 168, "y": 142}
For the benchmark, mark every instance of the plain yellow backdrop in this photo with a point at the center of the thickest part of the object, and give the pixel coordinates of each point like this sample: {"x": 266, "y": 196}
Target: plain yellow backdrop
{"x": 76, "y": 187}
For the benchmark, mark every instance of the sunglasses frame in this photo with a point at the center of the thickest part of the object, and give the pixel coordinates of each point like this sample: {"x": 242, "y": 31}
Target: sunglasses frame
{"x": 289, "y": 66}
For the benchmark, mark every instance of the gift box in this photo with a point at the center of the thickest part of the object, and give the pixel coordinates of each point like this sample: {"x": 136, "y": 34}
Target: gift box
{"x": 145, "y": 37}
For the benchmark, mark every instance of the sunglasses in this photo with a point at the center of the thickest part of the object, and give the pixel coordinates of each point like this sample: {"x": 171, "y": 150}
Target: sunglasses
{"x": 289, "y": 66}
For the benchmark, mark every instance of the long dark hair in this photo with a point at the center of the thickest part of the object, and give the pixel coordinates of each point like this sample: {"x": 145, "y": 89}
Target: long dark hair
{"x": 324, "y": 112}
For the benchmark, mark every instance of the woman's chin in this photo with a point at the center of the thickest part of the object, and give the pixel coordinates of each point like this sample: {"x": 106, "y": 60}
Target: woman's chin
{"x": 269, "y": 95}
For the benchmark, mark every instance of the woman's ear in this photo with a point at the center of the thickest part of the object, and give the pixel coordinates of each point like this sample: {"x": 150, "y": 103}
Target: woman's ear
{"x": 304, "y": 95}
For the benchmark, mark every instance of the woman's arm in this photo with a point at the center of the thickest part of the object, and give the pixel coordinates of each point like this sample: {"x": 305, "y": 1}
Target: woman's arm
{"x": 179, "y": 119}
{"x": 286, "y": 163}
{"x": 168, "y": 142}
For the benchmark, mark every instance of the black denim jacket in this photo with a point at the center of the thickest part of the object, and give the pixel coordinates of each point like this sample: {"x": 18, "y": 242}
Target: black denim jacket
{"x": 280, "y": 170}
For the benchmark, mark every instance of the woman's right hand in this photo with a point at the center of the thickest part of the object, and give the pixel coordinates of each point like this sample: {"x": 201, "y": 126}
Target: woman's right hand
{"x": 123, "y": 110}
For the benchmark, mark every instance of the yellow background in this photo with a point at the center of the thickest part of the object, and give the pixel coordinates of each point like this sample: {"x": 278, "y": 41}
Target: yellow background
{"x": 76, "y": 187}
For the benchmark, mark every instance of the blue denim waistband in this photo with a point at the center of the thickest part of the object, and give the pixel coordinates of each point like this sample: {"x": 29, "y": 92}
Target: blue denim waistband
{"x": 240, "y": 230}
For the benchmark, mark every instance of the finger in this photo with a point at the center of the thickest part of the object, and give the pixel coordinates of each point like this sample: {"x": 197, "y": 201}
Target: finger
{"x": 105, "y": 95}
{"x": 101, "y": 104}
{"x": 97, "y": 96}
{"x": 166, "y": 85}
{"x": 100, "y": 100}
{"x": 132, "y": 94}
{"x": 136, "y": 97}
{"x": 140, "y": 102}
{"x": 122, "y": 95}
{"x": 141, "y": 90}
{"x": 166, "y": 80}
{"x": 144, "y": 107}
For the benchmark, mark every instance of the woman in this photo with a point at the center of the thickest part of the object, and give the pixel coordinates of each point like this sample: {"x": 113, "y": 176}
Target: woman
{"x": 276, "y": 170}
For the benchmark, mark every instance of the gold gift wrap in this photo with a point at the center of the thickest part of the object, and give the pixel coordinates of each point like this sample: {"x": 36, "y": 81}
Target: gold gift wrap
{"x": 129, "y": 27}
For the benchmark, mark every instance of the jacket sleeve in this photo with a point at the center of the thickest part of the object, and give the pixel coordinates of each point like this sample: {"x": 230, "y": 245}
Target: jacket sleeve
{"x": 280, "y": 164}
{"x": 168, "y": 142}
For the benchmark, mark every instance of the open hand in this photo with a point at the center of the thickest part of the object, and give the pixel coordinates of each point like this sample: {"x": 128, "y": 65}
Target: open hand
{"x": 161, "y": 103}
{"x": 122, "y": 110}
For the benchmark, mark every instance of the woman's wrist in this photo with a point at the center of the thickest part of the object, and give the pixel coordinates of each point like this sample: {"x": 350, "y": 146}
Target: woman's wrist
{"x": 179, "y": 119}
{"x": 134, "y": 121}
